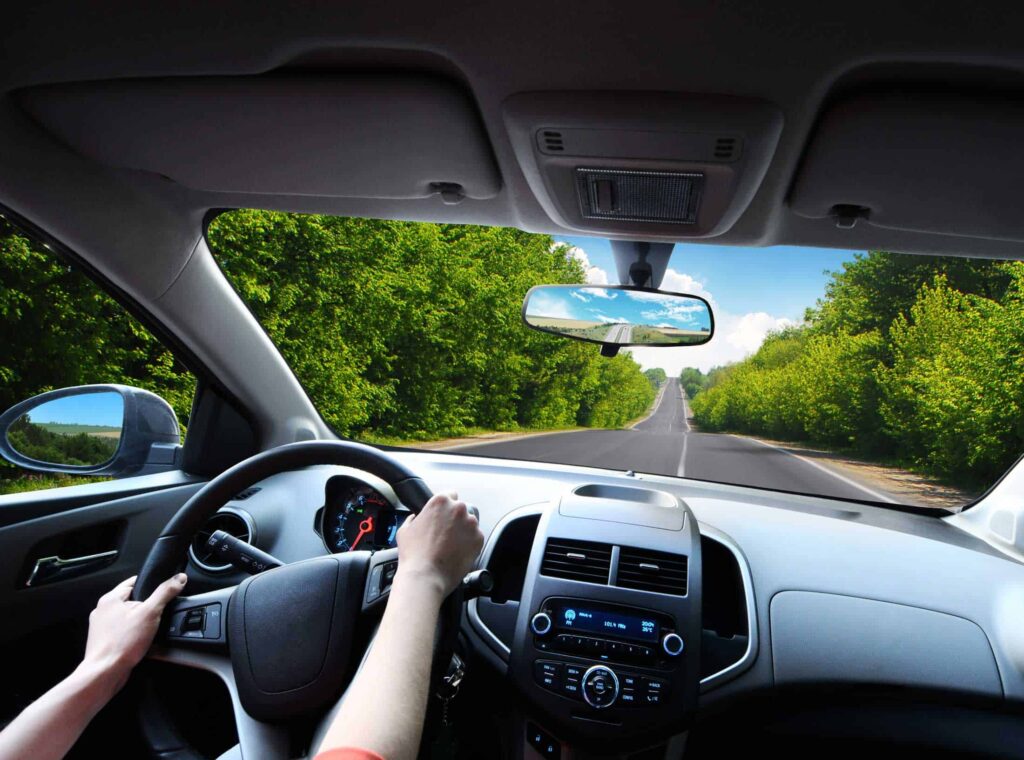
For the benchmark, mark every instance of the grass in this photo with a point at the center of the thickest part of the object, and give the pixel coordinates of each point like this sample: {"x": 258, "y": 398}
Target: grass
{"x": 12, "y": 481}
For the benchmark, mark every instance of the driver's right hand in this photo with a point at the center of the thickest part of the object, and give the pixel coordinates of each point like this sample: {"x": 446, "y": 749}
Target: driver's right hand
{"x": 441, "y": 543}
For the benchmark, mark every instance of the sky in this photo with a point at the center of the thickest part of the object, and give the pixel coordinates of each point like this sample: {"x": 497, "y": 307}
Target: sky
{"x": 752, "y": 291}
{"x": 88, "y": 409}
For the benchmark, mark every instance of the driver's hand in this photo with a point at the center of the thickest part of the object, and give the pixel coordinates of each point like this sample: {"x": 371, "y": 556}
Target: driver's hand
{"x": 121, "y": 631}
{"x": 440, "y": 543}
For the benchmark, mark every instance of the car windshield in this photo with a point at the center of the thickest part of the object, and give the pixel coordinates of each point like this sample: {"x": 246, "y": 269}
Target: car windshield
{"x": 860, "y": 375}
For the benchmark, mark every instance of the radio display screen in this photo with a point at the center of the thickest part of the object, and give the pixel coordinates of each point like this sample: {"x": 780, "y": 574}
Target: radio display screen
{"x": 586, "y": 619}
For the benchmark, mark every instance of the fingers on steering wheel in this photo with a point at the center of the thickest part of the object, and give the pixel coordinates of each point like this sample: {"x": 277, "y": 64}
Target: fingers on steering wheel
{"x": 165, "y": 592}
{"x": 121, "y": 591}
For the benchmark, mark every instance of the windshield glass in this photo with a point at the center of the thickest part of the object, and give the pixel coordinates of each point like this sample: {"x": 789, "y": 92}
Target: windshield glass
{"x": 869, "y": 376}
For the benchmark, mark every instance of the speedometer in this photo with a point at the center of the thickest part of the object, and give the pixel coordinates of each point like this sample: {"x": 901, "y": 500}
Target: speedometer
{"x": 366, "y": 521}
{"x": 357, "y": 517}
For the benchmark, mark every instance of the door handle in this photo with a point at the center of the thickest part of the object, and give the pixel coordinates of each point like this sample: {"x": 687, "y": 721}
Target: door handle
{"x": 51, "y": 569}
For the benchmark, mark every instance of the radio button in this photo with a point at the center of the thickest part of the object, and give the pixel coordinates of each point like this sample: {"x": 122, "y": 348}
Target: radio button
{"x": 574, "y": 671}
{"x": 655, "y": 684}
{"x": 571, "y": 687}
{"x": 628, "y": 697}
{"x": 628, "y": 681}
{"x": 652, "y": 698}
{"x": 548, "y": 675}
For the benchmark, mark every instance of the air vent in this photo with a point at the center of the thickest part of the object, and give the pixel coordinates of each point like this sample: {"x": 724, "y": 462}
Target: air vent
{"x": 725, "y": 148}
{"x": 652, "y": 571}
{"x": 552, "y": 141}
{"x": 577, "y": 561}
{"x": 247, "y": 493}
{"x": 236, "y": 523}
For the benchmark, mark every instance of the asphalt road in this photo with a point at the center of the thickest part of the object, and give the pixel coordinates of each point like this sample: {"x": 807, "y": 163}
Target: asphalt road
{"x": 619, "y": 334}
{"x": 664, "y": 444}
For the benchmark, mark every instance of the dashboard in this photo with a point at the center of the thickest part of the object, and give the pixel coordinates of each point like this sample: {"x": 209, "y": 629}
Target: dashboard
{"x": 626, "y": 606}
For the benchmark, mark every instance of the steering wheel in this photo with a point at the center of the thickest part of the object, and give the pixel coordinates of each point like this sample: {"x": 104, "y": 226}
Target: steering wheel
{"x": 284, "y": 637}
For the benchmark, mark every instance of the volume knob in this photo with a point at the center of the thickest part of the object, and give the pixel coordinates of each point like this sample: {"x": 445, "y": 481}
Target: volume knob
{"x": 672, "y": 644}
{"x": 540, "y": 624}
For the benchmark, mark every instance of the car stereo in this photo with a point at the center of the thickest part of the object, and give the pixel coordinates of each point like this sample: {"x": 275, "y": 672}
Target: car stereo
{"x": 606, "y": 632}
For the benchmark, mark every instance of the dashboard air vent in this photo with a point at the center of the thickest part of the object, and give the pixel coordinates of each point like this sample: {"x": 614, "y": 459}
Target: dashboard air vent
{"x": 652, "y": 571}
{"x": 552, "y": 141}
{"x": 236, "y": 523}
{"x": 577, "y": 560}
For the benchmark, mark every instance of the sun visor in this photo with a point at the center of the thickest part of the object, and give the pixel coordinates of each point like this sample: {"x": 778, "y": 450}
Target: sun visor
{"x": 354, "y": 136}
{"x": 924, "y": 162}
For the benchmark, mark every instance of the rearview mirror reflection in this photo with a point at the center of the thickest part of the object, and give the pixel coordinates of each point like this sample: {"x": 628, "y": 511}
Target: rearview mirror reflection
{"x": 619, "y": 315}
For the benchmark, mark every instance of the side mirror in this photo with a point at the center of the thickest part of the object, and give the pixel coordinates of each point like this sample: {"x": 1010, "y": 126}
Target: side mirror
{"x": 112, "y": 430}
{"x": 620, "y": 315}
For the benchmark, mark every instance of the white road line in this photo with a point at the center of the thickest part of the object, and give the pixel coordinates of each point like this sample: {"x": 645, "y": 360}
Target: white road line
{"x": 873, "y": 494}
{"x": 681, "y": 470}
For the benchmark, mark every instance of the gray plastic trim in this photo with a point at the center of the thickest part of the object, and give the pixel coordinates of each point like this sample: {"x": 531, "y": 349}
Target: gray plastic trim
{"x": 256, "y": 740}
{"x": 471, "y": 609}
{"x": 727, "y": 674}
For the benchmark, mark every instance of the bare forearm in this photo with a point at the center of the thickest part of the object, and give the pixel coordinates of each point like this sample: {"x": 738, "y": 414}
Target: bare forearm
{"x": 384, "y": 706}
{"x": 49, "y": 727}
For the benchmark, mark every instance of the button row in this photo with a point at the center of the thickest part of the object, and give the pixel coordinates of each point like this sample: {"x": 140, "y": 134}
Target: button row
{"x": 602, "y": 649}
{"x": 196, "y": 623}
{"x": 564, "y": 678}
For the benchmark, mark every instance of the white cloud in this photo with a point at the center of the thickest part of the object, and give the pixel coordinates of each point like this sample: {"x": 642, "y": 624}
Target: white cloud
{"x": 595, "y": 275}
{"x": 546, "y": 305}
{"x": 579, "y": 296}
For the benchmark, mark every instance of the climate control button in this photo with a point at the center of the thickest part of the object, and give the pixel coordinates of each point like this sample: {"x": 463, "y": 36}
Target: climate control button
{"x": 600, "y": 687}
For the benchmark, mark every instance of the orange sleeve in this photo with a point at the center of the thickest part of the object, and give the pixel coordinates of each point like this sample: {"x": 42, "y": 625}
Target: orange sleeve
{"x": 348, "y": 753}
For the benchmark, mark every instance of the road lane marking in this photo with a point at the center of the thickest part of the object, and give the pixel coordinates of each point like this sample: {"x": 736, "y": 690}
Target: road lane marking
{"x": 681, "y": 470}
{"x": 874, "y": 494}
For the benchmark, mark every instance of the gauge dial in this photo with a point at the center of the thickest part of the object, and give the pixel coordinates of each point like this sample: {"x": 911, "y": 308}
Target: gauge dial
{"x": 358, "y": 518}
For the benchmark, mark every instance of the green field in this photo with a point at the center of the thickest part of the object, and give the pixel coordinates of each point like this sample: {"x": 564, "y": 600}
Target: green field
{"x": 65, "y": 428}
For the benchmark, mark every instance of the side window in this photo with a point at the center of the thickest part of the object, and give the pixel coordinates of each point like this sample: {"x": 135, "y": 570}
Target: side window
{"x": 59, "y": 329}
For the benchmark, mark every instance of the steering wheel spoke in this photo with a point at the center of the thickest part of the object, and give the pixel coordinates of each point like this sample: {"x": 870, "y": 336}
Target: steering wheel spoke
{"x": 257, "y": 739}
{"x": 379, "y": 576}
{"x": 198, "y": 621}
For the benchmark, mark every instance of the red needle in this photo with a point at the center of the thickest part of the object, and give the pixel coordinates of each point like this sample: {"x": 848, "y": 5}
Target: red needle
{"x": 364, "y": 527}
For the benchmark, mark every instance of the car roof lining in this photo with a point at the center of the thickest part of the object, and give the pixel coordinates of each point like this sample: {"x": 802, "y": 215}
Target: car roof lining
{"x": 796, "y": 60}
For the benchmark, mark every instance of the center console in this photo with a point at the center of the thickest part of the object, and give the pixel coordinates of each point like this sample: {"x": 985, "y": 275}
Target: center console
{"x": 607, "y": 637}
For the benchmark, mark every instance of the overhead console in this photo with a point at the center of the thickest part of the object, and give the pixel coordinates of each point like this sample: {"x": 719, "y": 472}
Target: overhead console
{"x": 359, "y": 136}
{"x": 643, "y": 165}
{"x": 924, "y": 160}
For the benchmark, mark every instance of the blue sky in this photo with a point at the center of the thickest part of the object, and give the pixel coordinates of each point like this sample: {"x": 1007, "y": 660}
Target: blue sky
{"x": 752, "y": 291}
{"x": 87, "y": 409}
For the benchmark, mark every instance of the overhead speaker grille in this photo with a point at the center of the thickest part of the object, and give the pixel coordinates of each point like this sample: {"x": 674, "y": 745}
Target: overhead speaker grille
{"x": 726, "y": 148}
{"x": 552, "y": 141}
{"x": 639, "y": 196}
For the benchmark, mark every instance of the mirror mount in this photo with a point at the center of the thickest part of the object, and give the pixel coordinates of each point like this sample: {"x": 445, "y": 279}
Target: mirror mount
{"x": 609, "y": 350}
{"x": 641, "y": 264}
{"x": 149, "y": 439}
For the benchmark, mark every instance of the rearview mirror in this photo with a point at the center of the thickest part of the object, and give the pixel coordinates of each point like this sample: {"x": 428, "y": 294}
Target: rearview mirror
{"x": 91, "y": 430}
{"x": 619, "y": 315}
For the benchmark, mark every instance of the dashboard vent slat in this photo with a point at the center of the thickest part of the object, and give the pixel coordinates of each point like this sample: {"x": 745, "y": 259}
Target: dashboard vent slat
{"x": 577, "y": 561}
{"x": 647, "y": 570}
